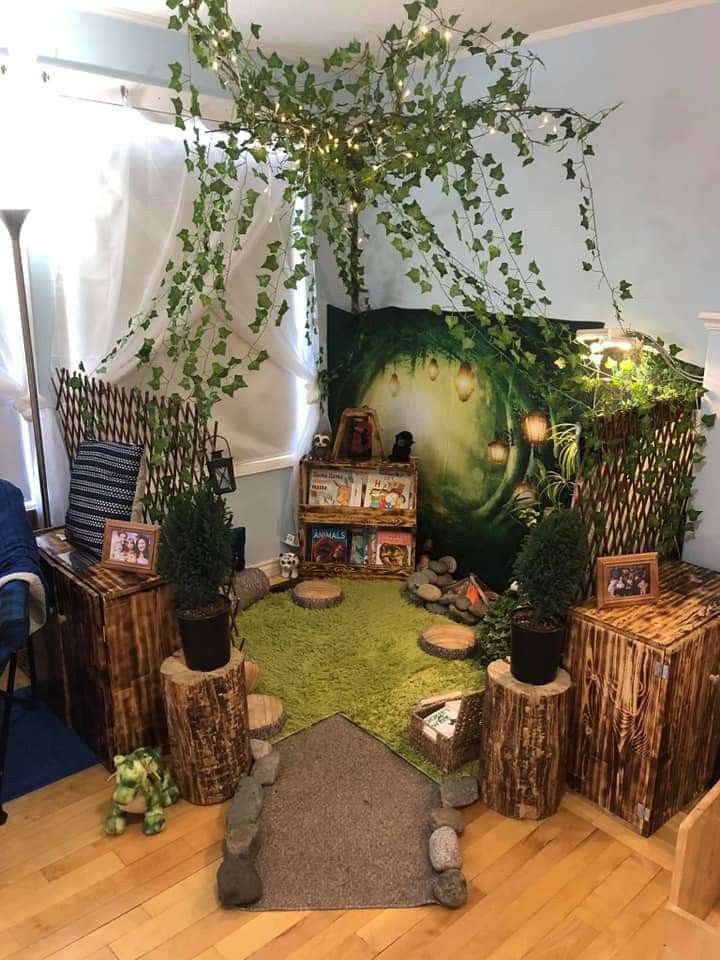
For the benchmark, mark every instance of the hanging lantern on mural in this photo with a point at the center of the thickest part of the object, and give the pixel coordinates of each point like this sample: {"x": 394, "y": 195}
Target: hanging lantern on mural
{"x": 433, "y": 369}
{"x": 524, "y": 495}
{"x": 465, "y": 381}
{"x": 498, "y": 451}
{"x": 535, "y": 427}
{"x": 394, "y": 385}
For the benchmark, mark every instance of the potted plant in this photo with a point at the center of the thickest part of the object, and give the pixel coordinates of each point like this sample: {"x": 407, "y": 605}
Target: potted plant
{"x": 196, "y": 555}
{"x": 549, "y": 569}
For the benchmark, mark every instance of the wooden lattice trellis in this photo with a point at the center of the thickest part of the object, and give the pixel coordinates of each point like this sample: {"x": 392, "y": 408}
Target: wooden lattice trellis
{"x": 92, "y": 409}
{"x": 634, "y": 481}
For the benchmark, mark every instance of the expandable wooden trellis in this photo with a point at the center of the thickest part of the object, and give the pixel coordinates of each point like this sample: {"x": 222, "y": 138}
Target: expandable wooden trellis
{"x": 91, "y": 409}
{"x": 634, "y": 481}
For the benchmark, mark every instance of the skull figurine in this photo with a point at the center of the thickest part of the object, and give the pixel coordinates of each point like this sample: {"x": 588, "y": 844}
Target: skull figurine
{"x": 289, "y": 563}
{"x": 321, "y": 447}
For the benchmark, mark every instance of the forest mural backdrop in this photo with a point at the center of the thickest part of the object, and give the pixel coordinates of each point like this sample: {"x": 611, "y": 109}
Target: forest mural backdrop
{"x": 419, "y": 372}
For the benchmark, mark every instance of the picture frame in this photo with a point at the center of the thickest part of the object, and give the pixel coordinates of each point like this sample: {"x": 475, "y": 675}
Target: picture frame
{"x": 626, "y": 579}
{"x": 123, "y": 538}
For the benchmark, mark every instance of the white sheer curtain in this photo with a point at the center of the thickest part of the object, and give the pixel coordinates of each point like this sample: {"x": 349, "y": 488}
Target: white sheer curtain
{"x": 125, "y": 195}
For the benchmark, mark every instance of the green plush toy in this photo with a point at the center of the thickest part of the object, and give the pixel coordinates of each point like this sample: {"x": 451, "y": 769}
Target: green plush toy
{"x": 144, "y": 785}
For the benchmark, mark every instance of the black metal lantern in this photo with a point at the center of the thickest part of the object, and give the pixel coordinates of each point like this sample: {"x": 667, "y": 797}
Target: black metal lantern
{"x": 222, "y": 471}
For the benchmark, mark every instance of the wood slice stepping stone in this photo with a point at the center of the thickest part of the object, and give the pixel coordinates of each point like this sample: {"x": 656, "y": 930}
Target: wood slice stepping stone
{"x": 317, "y": 594}
{"x": 252, "y": 674}
{"x": 450, "y": 641}
{"x": 266, "y": 716}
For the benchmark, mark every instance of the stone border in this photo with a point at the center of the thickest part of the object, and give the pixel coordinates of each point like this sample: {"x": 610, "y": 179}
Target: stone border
{"x": 449, "y": 886}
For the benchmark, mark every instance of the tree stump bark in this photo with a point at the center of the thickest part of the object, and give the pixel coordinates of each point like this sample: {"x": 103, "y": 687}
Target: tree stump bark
{"x": 207, "y": 726}
{"x": 524, "y": 744}
{"x": 317, "y": 594}
{"x": 450, "y": 641}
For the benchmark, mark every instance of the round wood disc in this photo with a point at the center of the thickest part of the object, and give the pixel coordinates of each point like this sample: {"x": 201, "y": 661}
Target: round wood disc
{"x": 317, "y": 594}
{"x": 451, "y": 641}
{"x": 266, "y": 715}
{"x": 252, "y": 674}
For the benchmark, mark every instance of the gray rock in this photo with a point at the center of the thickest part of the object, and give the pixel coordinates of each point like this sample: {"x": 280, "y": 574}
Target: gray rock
{"x": 450, "y": 563}
{"x": 238, "y": 882}
{"x": 462, "y": 616}
{"x": 247, "y": 802}
{"x": 477, "y": 610}
{"x": 447, "y": 817}
{"x": 265, "y": 770}
{"x": 436, "y": 607}
{"x": 260, "y": 748}
{"x": 450, "y": 889}
{"x": 446, "y": 599}
{"x": 417, "y": 579}
{"x": 462, "y": 603}
{"x": 241, "y": 840}
{"x": 445, "y": 580}
{"x": 458, "y": 791}
{"x": 429, "y": 592}
{"x": 414, "y": 599}
{"x": 431, "y": 575}
{"x": 445, "y": 850}
{"x": 438, "y": 566}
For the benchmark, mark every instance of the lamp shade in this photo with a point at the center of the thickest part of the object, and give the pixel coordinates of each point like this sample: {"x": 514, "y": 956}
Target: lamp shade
{"x": 498, "y": 451}
{"x": 465, "y": 381}
{"x": 535, "y": 427}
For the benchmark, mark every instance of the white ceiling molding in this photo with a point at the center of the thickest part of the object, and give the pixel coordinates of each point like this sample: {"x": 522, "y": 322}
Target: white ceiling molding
{"x": 625, "y": 16}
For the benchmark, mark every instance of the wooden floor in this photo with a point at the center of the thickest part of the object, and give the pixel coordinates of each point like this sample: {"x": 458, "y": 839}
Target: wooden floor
{"x": 578, "y": 886}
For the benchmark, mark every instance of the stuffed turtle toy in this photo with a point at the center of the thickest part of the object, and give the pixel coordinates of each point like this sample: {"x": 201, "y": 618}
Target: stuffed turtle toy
{"x": 144, "y": 785}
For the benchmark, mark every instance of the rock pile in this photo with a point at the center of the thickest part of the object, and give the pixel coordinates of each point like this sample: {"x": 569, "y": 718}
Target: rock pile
{"x": 238, "y": 881}
{"x": 434, "y": 587}
{"x": 447, "y": 824}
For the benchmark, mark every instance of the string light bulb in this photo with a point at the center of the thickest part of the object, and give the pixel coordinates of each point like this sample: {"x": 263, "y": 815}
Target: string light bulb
{"x": 448, "y": 35}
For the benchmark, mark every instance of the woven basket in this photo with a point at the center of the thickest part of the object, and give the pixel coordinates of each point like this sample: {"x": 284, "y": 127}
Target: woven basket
{"x": 449, "y": 753}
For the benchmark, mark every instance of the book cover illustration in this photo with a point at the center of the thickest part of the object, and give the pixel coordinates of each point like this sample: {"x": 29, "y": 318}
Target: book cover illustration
{"x": 359, "y": 546}
{"x": 443, "y": 721}
{"x": 332, "y": 488}
{"x": 388, "y": 492}
{"x": 393, "y": 548}
{"x": 329, "y": 544}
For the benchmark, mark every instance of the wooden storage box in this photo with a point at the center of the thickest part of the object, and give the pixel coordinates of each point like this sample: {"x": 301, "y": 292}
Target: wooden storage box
{"x": 108, "y": 635}
{"x": 645, "y": 724}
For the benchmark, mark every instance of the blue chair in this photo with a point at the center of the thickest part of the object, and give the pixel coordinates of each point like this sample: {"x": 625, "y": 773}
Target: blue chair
{"x": 14, "y": 636}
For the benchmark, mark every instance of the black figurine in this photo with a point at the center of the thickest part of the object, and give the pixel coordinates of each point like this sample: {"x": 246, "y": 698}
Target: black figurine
{"x": 402, "y": 446}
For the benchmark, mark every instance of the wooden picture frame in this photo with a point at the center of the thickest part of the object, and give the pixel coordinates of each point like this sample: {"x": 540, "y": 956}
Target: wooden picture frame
{"x": 626, "y": 579}
{"x": 121, "y": 537}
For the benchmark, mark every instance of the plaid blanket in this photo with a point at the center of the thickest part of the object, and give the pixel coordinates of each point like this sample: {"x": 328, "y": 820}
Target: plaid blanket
{"x": 14, "y": 605}
{"x": 19, "y": 560}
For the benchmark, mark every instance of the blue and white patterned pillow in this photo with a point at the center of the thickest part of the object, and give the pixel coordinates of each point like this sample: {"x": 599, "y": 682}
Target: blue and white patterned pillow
{"x": 104, "y": 485}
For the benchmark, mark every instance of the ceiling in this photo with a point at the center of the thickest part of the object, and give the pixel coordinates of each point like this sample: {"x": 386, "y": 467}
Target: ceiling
{"x": 311, "y": 27}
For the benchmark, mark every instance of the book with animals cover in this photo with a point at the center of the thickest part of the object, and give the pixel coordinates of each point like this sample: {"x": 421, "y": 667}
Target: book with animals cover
{"x": 334, "y": 488}
{"x": 386, "y": 491}
{"x": 329, "y": 544}
{"x": 393, "y": 548}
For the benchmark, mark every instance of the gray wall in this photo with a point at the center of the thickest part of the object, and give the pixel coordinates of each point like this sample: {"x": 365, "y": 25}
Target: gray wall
{"x": 655, "y": 178}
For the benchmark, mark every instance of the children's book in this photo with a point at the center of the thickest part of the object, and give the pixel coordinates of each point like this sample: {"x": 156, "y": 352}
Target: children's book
{"x": 443, "y": 721}
{"x": 334, "y": 488}
{"x": 359, "y": 546}
{"x": 329, "y": 544}
{"x": 393, "y": 548}
{"x": 385, "y": 491}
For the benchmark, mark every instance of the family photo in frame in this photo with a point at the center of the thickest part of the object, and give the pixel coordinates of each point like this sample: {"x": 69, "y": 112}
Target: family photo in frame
{"x": 131, "y": 546}
{"x": 626, "y": 579}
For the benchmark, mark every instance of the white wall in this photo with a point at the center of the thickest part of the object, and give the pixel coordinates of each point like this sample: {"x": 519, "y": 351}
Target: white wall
{"x": 656, "y": 178}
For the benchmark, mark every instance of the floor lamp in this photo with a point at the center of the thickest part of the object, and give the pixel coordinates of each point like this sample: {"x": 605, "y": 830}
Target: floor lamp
{"x": 14, "y": 220}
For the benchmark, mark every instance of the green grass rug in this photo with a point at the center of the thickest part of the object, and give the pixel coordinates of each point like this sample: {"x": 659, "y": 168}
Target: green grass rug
{"x": 360, "y": 659}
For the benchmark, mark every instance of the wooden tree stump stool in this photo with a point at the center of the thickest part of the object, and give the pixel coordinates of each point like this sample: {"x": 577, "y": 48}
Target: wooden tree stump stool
{"x": 317, "y": 594}
{"x": 524, "y": 744}
{"x": 207, "y": 727}
{"x": 451, "y": 641}
{"x": 266, "y": 715}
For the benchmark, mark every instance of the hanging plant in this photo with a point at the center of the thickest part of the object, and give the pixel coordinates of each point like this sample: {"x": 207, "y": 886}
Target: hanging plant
{"x": 352, "y": 143}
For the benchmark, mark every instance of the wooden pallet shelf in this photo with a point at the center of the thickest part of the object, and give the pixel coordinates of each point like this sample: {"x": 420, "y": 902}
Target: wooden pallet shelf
{"x": 354, "y": 516}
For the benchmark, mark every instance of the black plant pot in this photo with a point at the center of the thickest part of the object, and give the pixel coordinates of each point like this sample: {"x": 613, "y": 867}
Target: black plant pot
{"x": 206, "y": 639}
{"x": 535, "y": 654}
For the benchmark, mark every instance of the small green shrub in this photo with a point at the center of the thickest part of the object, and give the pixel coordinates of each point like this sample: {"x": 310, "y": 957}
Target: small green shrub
{"x": 551, "y": 564}
{"x": 196, "y": 548}
{"x": 493, "y": 634}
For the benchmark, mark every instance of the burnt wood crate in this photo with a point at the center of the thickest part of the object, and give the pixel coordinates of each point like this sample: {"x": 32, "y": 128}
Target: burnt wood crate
{"x": 645, "y": 725}
{"x": 108, "y": 635}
